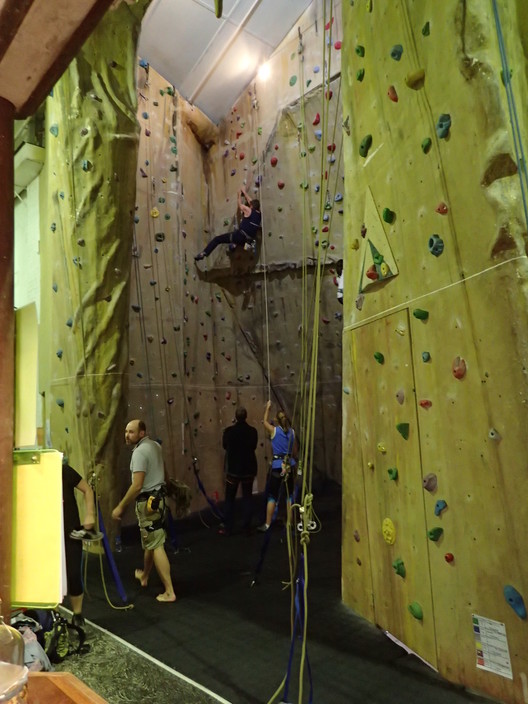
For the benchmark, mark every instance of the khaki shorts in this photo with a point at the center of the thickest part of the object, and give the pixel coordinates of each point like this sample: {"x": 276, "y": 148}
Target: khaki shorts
{"x": 150, "y": 539}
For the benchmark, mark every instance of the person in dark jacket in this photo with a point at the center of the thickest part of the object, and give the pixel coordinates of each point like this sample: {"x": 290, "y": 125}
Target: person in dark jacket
{"x": 245, "y": 234}
{"x": 240, "y": 442}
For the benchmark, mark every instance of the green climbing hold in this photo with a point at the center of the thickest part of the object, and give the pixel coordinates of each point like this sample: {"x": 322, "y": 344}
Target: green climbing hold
{"x": 378, "y": 356}
{"x": 259, "y": 130}
{"x": 393, "y": 473}
{"x": 426, "y": 29}
{"x": 420, "y": 313}
{"x": 293, "y": 80}
{"x": 360, "y": 50}
{"x": 435, "y": 534}
{"x": 388, "y": 215}
{"x": 365, "y": 145}
{"x": 399, "y": 567}
{"x": 360, "y": 74}
{"x": 346, "y": 390}
{"x": 403, "y": 429}
{"x": 426, "y": 145}
{"x": 416, "y": 610}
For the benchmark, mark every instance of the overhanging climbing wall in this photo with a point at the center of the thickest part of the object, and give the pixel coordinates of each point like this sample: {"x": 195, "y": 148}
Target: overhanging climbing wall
{"x": 435, "y": 336}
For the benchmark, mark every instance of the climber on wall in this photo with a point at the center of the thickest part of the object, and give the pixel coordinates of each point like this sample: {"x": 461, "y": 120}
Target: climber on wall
{"x": 245, "y": 234}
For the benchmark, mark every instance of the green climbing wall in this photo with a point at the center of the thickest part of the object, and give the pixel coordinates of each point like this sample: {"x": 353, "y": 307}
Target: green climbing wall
{"x": 434, "y": 343}
{"x": 86, "y": 238}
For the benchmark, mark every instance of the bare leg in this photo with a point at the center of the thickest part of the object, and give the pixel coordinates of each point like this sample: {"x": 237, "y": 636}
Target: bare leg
{"x": 270, "y": 508}
{"x": 143, "y": 575}
{"x": 162, "y": 564}
{"x": 76, "y": 603}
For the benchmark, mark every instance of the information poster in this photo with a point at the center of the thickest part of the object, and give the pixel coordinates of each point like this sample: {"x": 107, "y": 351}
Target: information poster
{"x": 492, "y": 646}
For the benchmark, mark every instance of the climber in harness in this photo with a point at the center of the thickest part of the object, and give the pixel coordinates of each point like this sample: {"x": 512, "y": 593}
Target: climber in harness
{"x": 245, "y": 234}
{"x": 284, "y": 461}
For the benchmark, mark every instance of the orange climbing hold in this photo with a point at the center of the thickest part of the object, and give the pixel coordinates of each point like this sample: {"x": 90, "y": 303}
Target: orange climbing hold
{"x": 425, "y": 403}
{"x": 392, "y": 94}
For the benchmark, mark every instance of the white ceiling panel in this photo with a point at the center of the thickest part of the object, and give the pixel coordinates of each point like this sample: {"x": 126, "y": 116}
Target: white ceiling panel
{"x": 210, "y": 61}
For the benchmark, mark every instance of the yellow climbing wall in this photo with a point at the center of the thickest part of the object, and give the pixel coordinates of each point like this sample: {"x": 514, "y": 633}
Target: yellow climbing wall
{"x": 434, "y": 342}
{"x": 207, "y": 337}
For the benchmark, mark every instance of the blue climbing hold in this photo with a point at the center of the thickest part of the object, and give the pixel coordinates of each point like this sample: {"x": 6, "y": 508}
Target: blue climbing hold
{"x": 396, "y": 52}
{"x": 440, "y": 506}
{"x": 515, "y": 600}
{"x": 338, "y": 197}
{"x": 442, "y": 126}
{"x": 436, "y": 245}
{"x": 55, "y": 287}
{"x": 60, "y": 402}
{"x": 426, "y": 356}
{"x": 143, "y": 63}
{"x": 69, "y": 322}
{"x": 59, "y": 354}
{"x": 318, "y": 134}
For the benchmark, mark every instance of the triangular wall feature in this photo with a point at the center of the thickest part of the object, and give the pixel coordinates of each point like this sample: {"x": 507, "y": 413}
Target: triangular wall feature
{"x": 378, "y": 263}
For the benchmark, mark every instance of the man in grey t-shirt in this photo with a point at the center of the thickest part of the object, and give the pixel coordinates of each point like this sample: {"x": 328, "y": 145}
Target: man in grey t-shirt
{"x": 148, "y": 478}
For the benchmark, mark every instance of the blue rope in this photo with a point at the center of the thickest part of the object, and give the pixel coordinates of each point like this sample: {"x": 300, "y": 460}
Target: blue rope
{"x": 517, "y": 141}
{"x": 211, "y": 503}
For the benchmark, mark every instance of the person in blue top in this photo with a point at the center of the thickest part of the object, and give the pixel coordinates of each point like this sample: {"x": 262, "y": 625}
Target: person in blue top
{"x": 283, "y": 463}
{"x": 245, "y": 234}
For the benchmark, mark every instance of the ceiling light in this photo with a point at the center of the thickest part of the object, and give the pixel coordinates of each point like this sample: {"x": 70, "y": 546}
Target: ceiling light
{"x": 264, "y": 72}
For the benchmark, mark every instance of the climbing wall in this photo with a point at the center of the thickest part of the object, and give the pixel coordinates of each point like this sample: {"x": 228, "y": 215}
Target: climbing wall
{"x": 86, "y": 234}
{"x": 232, "y": 330}
{"x": 434, "y": 343}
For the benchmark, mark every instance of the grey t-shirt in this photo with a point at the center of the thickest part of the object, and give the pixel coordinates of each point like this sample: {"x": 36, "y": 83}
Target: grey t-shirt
{"x": 147, "y": 457}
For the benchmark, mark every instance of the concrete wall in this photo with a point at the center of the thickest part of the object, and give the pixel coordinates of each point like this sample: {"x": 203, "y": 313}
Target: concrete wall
{"x": 456, "y": 379}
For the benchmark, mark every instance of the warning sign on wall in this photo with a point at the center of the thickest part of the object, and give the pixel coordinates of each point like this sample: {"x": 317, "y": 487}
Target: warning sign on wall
{"x": 492, "y": 646}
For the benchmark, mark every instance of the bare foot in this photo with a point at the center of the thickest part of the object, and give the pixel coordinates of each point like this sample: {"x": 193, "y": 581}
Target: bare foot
{"x": 139, "y": 575}
{"x": 166, "y": 597}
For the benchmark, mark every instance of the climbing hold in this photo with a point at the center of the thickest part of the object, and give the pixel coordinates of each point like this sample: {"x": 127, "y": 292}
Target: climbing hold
{"x": 360, "y": 300}
{"x": 399, "y": 567}
{"x": 241, "y": 156}
{"x": 54, "y": 129}
{"x": 442, "y": 126}
{"x": 426, "y": 29}
{"x": 416, "y": 610}
{"x": 420, "y": 314}
{"x": 435, "y": 534}
{"x": 318, "y": 134}
{"x": 400, "y": 396}
{"x": 426, "y": 356}
{"x": 273, "y": 161}
{"x": 441, "y": 208}
{"x": 86, "y": 165}
{"x": 346, "y": 390}
{"x": 365, "y": 145}
{"x": 280, "y": 185}
{"x": 459, "y": 368}
{"x": 356, "y": 536}
{"x": 426, "y": 145}
{"x": 370, "y": 465}
{"x": 317, "y": 120}
{"x": 228, "y": 395}
{"x": 81, "y": 242}
{"x": 393, "y": 473}
{"x": 60, "y": 402}
{"x": 360, "y": 74}
{"x": 371, "y": 273}
{"x": 389, "y": 531}
{"x": 388, "y": 215}
{"x": 515, "y": 600}
{"x": 337, "y": 46}
{"x": 328, "y": 95}
{"x": 436, "y": 245}
{"x": 449, "y": 557}
{"x": 403, "y": 429}
{"x": 59, "y": 353}
{"x": 135, "y": 308}
{"x": 360, "y": 50}
{"x": 430, "y": 482}
{"x": 160, "y": 236}
{"x": 494, "y": 435}
{"x": 416, "y": 79}
{"x": 55, "y": 287}
{"x": 53, "y": 227}
{"x": 378, "y": 356}
{"x": 69, "y": 322}
{"x": 354, "y": 244}
{"x": 425, "y": 403}
{"x": 393, "y": 95}
{"x": 338, "y": 198}
{"x": 154, "y": 213}
{"x": 440, "y": 506}
{"x": 396, "y": 52}
{"x": 331, "y": 148}
{"x": 381, "y": 448}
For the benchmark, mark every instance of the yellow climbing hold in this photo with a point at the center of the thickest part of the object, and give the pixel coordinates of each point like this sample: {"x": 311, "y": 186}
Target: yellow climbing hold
{"x": 389, "y": 531}
{"x": 154, "y": 213}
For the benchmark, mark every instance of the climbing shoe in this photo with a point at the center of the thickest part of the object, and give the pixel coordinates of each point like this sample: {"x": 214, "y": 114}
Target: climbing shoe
{"x": 199, "y": 257}
{"x": 85, "y": 534}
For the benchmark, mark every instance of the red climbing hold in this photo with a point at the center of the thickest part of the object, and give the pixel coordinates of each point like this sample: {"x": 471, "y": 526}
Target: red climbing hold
{"x": 442, "y": 208}
{"x": 328, "y": 95}
{"x": 425, "y": 403}
{"x": 449, "y": 557}
{"x": 241, "y": 156}
{"x": 324, "y": 229}
{"x": 273, "y": 161}
{"x": 228, "y": 395}
{"x": 392, "y": 94}
{"x": 280, "y": 184}
{"x": 337, "y": 46}
{"x": 331, "y": 148}
{"x": 326, "y": 320}
{"x": 372, "y": 274}
{"x": 238, "y": 134}
{"x": 459, "y": 368}
{"x": 330, "y": 22}
{"x": 276, "y": 147}
{"x": 317, "y": 119}
{"x": 363, "y": 230}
